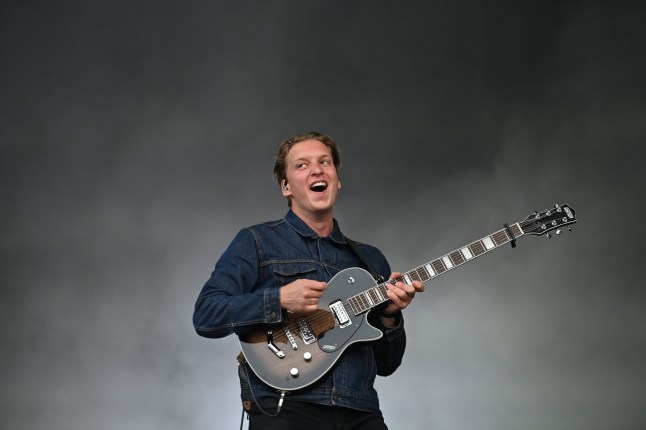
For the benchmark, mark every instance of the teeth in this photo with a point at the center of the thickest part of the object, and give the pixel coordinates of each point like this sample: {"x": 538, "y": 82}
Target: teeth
{"x": 318, "y": 186}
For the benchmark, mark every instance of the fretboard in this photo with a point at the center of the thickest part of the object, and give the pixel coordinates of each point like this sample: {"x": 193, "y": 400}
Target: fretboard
{"x": 377, "y": 295}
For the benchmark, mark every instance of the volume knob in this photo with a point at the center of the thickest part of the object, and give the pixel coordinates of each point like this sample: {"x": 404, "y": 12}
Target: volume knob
{"x": 307, "y": 356}
{"x": 294, "y": 372}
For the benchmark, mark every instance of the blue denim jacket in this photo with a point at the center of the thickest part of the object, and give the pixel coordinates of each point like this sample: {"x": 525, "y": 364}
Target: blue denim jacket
{"x": 242, "y": 295}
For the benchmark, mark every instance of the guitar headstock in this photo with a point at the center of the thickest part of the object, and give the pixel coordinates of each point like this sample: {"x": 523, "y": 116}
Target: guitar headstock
{"x": 540, "y": 223}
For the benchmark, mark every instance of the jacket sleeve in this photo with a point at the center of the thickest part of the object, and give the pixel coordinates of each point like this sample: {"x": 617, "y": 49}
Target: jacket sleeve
{"x": 389, "y": 350}
{"x": 230, "y": 300}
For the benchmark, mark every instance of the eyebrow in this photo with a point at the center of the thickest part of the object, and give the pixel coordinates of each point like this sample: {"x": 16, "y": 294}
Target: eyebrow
{"x": 307, "y": 157}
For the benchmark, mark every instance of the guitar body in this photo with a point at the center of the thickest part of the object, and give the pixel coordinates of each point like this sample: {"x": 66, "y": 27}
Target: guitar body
{"x": 299, "y": 352}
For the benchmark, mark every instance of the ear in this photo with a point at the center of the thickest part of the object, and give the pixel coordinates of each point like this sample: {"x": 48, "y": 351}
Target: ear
{"x": 284, "y": 188}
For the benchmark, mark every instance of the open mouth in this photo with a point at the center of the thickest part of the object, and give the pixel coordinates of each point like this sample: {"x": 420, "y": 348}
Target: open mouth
{"x": 318, "y": 187}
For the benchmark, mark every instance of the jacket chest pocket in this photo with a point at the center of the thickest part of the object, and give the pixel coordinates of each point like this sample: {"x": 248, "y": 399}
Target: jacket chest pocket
{"x": 285, "y": 273}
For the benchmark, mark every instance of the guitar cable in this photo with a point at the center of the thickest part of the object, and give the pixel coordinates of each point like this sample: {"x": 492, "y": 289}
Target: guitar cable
{"x": 253, "y": 396}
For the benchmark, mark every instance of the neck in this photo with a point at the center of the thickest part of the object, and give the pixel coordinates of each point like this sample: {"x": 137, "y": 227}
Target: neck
{"x": 322, "y": 224}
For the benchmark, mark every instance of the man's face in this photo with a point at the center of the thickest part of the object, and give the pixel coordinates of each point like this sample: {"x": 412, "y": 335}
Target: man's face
{"x": 312, "y": 179}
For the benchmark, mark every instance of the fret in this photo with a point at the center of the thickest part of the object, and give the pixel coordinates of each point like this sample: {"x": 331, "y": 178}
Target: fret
{"x": 447, "y": 262}
{"x": 407, "y": 279}
{"x": 414, "y": 276}
{"x": 384, "y": 291}
{"x": 468, "y": 255}
{"x": 500, "y": 238}
{"x": 516, "y": 230}
{"x": 477, "y": 248}
{"x": 356, "y": 306}
{"x": 438, "y": 266}
{"x": 429, "y": 270}
{"x": 373, "y": 295}
{"x": 362, "y": 301}
{"x": 457, "y": 258}
{"x": 366, "y": 300}
{"x": 418, "y": 275}
{"x": 378, "y": 293}
{"x": 488, "y": 243}
{"x": 369, "y": 299}
{"x": 353, "y": 305}
{"x": 422, "y": 274}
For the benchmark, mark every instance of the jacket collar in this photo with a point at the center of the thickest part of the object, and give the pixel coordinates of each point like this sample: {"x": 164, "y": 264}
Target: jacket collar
{"x": 306, "y": 231}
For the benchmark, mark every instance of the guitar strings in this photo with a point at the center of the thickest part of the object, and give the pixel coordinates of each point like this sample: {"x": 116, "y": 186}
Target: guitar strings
{"x": 361, "y": 303}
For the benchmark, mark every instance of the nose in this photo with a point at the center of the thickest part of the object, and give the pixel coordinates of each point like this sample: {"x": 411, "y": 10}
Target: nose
{"x": 316, "y": 168}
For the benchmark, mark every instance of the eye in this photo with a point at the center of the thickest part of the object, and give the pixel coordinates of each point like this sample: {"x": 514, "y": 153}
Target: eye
{"x": 300, "y": 165}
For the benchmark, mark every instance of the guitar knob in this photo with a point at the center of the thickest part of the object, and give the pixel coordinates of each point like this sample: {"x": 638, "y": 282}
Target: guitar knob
{"x": 558, "y": 231}
{"x": 307, "y": 356}
{"x": 549, "y": 236}
{"x": 294, "y": 372}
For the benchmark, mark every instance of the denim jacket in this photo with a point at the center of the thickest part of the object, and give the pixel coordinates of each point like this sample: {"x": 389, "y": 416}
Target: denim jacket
{"x": 242, "y": 295}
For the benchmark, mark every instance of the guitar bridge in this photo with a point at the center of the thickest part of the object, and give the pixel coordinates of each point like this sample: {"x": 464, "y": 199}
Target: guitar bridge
{"x": 291, "y": 339}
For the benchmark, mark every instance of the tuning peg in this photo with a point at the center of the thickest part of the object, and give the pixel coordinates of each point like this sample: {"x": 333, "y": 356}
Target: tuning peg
{"x": 569, "y": 228}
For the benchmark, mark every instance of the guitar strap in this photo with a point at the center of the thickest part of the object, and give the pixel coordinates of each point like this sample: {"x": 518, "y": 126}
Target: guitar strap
{"x": 363, "y": 258}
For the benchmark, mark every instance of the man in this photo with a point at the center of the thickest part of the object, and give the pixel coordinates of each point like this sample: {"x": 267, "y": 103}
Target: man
{"x": 280, "y": 268}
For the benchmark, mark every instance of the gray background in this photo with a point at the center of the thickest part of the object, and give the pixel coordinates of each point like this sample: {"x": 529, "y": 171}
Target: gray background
{"x": 137, "y": 138}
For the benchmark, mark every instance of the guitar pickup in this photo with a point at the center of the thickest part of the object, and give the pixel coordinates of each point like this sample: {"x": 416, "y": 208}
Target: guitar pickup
{"x": 340, "y": 314}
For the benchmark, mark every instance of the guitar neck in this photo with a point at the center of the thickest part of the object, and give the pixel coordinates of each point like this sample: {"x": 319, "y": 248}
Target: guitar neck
{"x": 377, "y": 295}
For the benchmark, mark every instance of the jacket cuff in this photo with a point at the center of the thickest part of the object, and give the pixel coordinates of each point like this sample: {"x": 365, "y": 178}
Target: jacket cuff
{"x": 392, "y": 331}
{"x": 273, "y": 312}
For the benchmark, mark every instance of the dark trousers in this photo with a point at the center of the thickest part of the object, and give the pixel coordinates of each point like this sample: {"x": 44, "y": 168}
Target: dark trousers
{"x": 310, "y": 416}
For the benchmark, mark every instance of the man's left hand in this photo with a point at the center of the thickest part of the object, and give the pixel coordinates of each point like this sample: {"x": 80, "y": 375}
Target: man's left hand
{"x": 400, "y": 294}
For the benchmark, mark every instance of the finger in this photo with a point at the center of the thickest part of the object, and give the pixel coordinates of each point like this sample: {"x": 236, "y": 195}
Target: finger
{"x": 399, "y": 295}
{"x": 395, "y": 275}
{"x": 397, "y": 301}
{"x": 409, "y": 289}
{"x": 419, "y": 286}
{"x": 318, "y": 286}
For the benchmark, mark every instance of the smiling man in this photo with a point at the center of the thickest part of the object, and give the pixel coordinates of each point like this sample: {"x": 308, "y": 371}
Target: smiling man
{"x": 269, "y": 286}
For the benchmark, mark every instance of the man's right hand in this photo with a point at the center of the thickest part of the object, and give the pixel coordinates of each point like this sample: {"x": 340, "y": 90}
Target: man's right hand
{"x": 302, "y": 295}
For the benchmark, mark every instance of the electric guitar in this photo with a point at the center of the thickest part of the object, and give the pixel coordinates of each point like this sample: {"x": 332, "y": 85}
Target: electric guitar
{"x": 299, "y": 352}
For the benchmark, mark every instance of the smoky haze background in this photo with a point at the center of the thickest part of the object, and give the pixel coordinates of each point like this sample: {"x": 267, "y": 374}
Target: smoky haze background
{"x": 138, "y": 137}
